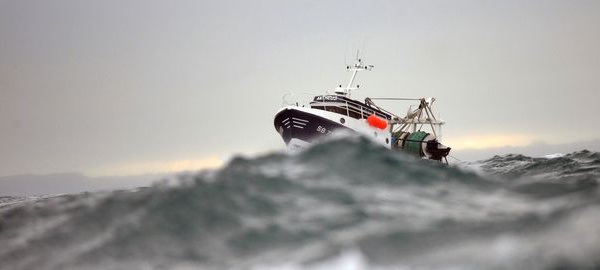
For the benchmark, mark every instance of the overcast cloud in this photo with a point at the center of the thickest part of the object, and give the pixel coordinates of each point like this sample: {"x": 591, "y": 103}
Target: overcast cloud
{"x": 94, "y": 86}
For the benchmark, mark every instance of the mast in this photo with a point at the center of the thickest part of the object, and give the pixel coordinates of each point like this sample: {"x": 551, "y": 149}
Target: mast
{"x": 358, "y": 66}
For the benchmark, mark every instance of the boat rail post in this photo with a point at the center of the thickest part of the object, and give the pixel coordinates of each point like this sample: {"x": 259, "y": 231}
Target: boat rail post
{"x": 347, "y": 108}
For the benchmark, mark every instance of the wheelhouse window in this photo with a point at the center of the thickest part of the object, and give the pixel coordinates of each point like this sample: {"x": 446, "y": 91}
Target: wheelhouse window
{"x": 338, "y": 109}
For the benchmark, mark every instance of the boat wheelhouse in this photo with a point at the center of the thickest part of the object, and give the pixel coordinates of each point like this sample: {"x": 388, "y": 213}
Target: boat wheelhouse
{"x": 346, "y": 106}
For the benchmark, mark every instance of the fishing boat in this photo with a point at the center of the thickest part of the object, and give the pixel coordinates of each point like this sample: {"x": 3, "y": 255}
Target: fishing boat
{"x": 418, "y": 132}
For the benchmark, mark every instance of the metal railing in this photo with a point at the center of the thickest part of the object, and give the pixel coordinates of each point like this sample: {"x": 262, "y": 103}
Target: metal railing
{"x": 346, "y": 108}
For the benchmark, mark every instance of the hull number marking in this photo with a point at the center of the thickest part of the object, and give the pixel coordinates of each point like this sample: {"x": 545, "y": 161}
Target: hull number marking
{"x": 323, "y": 130}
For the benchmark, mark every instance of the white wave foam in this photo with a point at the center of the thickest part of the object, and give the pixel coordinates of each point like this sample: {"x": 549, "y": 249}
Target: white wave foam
{"x": 555, "y": 155}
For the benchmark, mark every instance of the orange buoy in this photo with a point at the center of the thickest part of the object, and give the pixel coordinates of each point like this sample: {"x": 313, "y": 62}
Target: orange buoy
{"x": 376, "y": 122}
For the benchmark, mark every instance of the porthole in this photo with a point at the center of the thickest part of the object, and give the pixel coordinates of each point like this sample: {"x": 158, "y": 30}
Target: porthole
{"x": 387, "y": 140}
{"x": 342, "y": 120}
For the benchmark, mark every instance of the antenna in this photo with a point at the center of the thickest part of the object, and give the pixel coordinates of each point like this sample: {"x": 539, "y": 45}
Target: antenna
{"x": 364, "y": 45}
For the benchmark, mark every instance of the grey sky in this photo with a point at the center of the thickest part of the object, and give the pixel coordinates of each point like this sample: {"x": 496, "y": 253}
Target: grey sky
{"x": 92, "y": 85}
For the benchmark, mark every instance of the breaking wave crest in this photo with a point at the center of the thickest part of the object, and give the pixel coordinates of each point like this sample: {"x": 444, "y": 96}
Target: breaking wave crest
{"x": 341, "y": 204}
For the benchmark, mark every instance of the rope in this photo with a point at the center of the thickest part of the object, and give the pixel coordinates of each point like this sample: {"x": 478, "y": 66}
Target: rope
{"x": 457, "y": 159}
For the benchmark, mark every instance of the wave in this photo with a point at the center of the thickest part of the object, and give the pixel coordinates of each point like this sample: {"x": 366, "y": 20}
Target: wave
{"x": 343, "y": 203}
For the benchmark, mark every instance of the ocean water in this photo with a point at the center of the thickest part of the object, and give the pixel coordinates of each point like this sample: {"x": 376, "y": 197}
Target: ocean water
{"x": 341, "y": 204}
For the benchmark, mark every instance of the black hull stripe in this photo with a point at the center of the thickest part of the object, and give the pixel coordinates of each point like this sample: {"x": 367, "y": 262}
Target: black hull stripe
{"x": 305, "y": 126}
